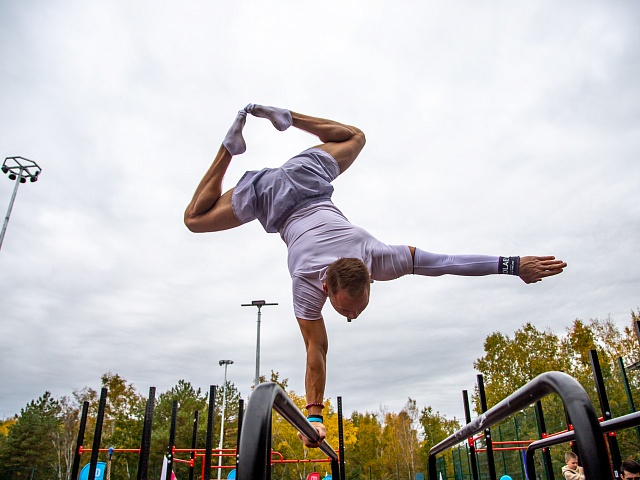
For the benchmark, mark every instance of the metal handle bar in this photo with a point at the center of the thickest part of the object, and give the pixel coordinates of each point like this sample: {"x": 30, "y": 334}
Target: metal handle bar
{"x": 254, "y": 454}
{"x": 588, "y": 434}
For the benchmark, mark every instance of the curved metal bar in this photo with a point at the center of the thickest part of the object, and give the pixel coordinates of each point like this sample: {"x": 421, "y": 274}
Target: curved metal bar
{"x": 618, "y": 423}
{"x": 591, "y": 445}
{"x": 254, "y": 454}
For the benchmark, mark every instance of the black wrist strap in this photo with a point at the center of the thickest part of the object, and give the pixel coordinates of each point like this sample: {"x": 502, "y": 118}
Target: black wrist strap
{"x": 509, "y": 265}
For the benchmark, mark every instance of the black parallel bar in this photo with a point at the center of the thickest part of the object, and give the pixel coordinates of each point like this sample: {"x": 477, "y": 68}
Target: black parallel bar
{"x": 340, "y": 438}
{"x": 209, "y": 440}
{"x": 194, "y": 443}
{"x": 542, "y": 431}
{"x": 616, "y": 460}
{"x": 75, "y": 469}
{"x": 172, "y": 440}
{"x": 472, "y": 448}
{"x": 487, "y": 431}
{"x": 591, "y": 444}
{"x": 98, "y": 434}
{"x": 254, "y": 457}
{"x": 145, "y": 443}
{"x": 619, "y": 423}
{"x": 240, "y": 418}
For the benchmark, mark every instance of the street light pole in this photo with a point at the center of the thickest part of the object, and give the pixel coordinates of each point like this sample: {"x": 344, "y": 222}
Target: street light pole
{"x": 18, "y": 169}
{"x": 226, "y": 363}
{"x": 259, "y": 304}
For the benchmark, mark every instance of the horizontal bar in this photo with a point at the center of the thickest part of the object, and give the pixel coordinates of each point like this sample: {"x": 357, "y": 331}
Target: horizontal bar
{"x": 618, "y": 423}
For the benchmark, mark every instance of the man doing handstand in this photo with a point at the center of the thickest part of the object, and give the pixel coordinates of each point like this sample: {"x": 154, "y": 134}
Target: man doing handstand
{"x": 328, "y": 257}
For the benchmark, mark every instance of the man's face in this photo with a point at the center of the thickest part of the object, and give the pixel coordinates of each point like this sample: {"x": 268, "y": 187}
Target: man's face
{"x": 573, "y": 464}
{"x": 347, "y": 306}
{"x": 630, "y": 476}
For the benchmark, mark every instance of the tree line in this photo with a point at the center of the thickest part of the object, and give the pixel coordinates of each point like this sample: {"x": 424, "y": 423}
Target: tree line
{"x": 39, "y": 442}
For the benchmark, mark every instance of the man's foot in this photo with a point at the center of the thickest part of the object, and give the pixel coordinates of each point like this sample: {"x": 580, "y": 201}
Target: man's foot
{"x": 280, "y": 117}
{"x": 234, "y": 141}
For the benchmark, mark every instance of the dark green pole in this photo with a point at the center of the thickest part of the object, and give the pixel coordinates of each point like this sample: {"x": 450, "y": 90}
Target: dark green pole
{"x": 627, "y": 389}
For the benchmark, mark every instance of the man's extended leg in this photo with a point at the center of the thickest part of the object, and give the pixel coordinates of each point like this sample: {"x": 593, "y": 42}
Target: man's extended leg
{"x": 210, "y": 210}
{"x": 342, "y": 142}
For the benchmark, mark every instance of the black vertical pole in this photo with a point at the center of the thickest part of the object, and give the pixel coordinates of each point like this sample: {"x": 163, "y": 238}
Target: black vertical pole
{"x": 172, "y": 440}
{"x": 145, "y": 443}
{"x": 614, "y": 450}
{"x": 487, "y": 431}
{"x": 627, "y": 389}
{"x": 194, "y": 443}
{"x": 340, "y": 439}
{"x": 472, "y": 447}
{"x": 542, "y": 431}
{"x": 240, "y": 419}
{"x": 95, "y": 449}
{"x": 637, "y": 325}
{"x": 209, "y": 439}
{"x": 78, "y": 453}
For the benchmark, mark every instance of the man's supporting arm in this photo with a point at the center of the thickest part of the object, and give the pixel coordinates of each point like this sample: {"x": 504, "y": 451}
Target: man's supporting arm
{"x": 317, "y": 344}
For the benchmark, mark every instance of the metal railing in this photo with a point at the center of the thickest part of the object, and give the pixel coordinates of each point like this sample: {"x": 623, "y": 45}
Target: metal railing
{"x": 619, "y": 423}
{"x": 254, "y": 451}
{"x": 587, "y": 431}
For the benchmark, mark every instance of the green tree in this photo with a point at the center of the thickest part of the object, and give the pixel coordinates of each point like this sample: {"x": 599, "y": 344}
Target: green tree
{"x": 30, "y": 445}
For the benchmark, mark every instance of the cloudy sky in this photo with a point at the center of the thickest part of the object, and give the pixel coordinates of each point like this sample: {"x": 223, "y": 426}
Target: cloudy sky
{"x": 506, "y": 128}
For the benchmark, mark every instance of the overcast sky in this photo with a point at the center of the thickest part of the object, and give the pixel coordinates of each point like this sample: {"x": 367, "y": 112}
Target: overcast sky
{"x": 501, "y": 127}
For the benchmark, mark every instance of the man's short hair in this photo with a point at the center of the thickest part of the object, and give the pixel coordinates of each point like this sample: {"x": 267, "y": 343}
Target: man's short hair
{"x": 630, "y": 466}
{"x": 350, "y": 275}
{"x": 570, "y": 456}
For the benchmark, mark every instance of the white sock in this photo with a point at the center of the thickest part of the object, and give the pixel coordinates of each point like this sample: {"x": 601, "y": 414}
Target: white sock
{"x": 280, "y": 117}
{"x": 234, "y": 141}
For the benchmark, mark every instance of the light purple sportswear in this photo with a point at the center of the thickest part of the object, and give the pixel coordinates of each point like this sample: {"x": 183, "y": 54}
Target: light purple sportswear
{"x": 317, "y": 233}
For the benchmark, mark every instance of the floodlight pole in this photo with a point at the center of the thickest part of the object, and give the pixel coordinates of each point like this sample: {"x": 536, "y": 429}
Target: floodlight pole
{"x": 226, "y": 363}
{"x": 259, "y": 304}
{"x": 18, "y": 169}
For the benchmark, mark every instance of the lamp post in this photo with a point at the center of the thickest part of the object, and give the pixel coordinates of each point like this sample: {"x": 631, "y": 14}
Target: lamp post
{"x": 259, "y": 304}
{"x": 18, "y": 169}
{"x": 226, "y": 363}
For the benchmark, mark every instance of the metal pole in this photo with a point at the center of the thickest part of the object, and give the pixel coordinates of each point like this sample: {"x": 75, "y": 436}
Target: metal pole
{"x": 487, "y": 431}
{"x": 472, "y": 449}
{"x": 18, "y": 169}
{"x": 614, "y": 449}
{"x": 226, "y": 363}
{"x": 627, "y": 389}
{"x": 13, "y": 197}
{"x": 259, "y": 304}
{"x": 256, "y": 378}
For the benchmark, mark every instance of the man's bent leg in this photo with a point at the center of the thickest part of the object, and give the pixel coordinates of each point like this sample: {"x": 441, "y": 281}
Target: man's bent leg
{"x": 209, "y": 210}
{"x": 342, "y": 142}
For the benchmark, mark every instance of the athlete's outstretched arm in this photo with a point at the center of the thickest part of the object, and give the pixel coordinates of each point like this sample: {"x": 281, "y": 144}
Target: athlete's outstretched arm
{"x": 530, "y": 269}
{"x": 317, "y": 344}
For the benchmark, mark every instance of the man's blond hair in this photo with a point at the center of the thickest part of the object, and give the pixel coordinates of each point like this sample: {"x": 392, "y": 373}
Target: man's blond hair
{"x": 350, "y": 275}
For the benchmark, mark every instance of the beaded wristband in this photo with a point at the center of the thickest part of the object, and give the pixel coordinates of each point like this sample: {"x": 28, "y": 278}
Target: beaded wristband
{"x": 315, "y": 404}
{"x": 315, "y": 418}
